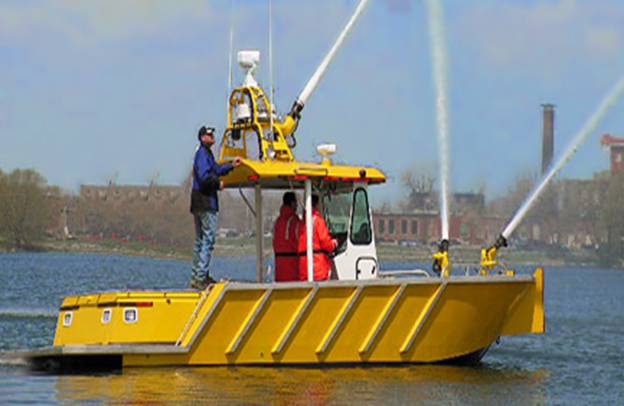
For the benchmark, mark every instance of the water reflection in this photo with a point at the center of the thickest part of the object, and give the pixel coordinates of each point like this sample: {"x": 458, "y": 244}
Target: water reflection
{"x": 318, "y": 386}
{"x": 577, "y": 361}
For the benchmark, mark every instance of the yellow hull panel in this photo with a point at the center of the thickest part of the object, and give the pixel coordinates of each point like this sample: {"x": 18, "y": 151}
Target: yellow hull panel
{"x": 379, "y": 321}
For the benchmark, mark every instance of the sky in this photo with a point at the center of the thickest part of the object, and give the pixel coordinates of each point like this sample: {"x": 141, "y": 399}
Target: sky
{"x": 99, "y": 90}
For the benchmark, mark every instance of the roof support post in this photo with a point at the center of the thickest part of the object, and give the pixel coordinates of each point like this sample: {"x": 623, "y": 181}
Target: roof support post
{"x": 259, "y": 234}
{"x": 309, "y": 230}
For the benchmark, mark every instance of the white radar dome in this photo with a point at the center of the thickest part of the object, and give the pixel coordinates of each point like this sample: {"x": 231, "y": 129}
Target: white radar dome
{"x": 249, "y": 60}
{"x": 326, "y": 150}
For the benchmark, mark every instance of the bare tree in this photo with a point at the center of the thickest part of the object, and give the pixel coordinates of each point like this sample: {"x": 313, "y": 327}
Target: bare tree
{"x": 418, "y": 184}
{"x": 24, "y": 210}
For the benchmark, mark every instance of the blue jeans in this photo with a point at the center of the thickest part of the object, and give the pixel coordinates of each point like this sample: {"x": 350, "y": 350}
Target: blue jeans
{"x": 205, "y": 233}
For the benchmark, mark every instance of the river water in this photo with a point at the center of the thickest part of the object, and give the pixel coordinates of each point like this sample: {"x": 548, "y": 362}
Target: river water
{"x": 580, "y": 360}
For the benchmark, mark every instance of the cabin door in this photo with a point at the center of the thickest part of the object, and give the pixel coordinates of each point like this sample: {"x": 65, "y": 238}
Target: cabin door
{"x": 357, "y": 256}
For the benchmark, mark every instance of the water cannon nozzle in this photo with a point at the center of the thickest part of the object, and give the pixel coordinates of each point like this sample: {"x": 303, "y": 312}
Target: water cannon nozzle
{"x": 441, "y": 263}
{"x": 488, "y": 255}
{"x": 295, "y": 110}
{"x": 501, "y": 241}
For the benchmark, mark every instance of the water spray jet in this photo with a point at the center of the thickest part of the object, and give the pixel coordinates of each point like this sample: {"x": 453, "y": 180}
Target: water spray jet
{"x": 292, "y": 119}
{"x": 440, "y": 63}
{"x": 488, "y": 256}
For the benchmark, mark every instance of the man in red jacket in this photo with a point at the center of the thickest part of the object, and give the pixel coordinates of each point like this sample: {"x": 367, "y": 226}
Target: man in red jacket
{"x": 322, "y": 243}
{"x": 285, "y": 240}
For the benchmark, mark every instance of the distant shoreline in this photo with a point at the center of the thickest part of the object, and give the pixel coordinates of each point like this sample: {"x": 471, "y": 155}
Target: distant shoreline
{"x": 246, "y": 247}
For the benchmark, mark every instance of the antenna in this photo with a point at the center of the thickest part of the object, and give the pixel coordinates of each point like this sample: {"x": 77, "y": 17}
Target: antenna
{"x": 271, "y": 71}
{"x": 230, "y": 56}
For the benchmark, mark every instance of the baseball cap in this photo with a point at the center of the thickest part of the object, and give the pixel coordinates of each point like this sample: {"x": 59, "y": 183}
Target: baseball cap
{"x": 205, "y": 130}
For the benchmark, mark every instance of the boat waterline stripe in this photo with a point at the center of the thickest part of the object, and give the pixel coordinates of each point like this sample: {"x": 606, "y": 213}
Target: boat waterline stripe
{"x": 108, "y": 304}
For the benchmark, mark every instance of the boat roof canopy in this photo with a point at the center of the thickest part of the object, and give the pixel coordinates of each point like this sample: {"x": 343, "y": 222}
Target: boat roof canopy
{"x": 292, "y": 174}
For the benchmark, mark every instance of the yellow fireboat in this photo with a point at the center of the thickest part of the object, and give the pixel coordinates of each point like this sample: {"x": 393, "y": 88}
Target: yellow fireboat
{"x": 362, "y": 316}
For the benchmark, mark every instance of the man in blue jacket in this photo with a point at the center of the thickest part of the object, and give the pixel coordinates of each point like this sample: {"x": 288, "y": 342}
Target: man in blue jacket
{"x": 205, "y": 205}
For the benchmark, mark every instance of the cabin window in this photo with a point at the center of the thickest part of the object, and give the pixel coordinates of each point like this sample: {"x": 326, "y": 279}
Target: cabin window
{"x": 106, "y": 316}
{"x": 131, "y": 315}
{"x": 360, "y": 222}
{"x": 414, "y": 227}
{"x": 336, "y": 210}
{"x": 391, "y": 226}
{"x": 382, "y": 226}
{"x": 403, "y": 227}
{"x": 68, "y": 317}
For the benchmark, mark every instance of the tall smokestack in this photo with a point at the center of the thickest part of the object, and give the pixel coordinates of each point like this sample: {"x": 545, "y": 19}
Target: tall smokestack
{"x": 549, "y": 136}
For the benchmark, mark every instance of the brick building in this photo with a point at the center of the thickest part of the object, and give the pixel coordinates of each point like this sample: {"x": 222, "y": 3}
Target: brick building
{"x": 616, "y": 152}
{"x": 467, "y": 222}
{"x": 424, "y": 227}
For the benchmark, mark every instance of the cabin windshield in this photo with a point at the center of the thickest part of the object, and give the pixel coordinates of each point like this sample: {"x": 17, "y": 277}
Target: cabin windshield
{"x": 336, "y": 210}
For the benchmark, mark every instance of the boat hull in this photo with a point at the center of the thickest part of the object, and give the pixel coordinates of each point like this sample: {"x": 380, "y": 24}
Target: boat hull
{"x": 402, "y": 320}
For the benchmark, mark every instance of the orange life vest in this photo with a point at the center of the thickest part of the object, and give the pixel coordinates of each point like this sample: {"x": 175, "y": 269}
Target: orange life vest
{"x": 286, "y": 244}
{"x": 322, "y": 243}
